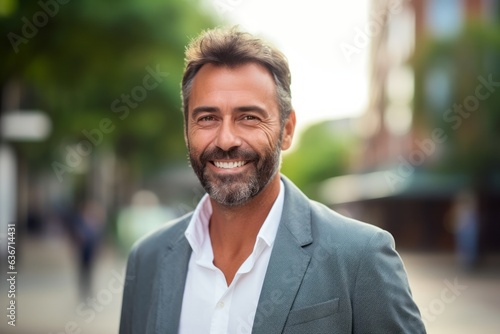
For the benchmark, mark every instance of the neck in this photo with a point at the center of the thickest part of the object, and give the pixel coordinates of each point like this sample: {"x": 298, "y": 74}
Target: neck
{"x": 233, "y": 230}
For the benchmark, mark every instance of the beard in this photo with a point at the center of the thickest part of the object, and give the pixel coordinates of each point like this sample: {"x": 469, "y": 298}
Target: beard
{"x": 237, "y": 189}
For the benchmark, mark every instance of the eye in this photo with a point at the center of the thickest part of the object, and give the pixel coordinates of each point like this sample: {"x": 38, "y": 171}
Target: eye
{"x": 251, "y": 119}
{"x": 206, "y": 121}
{"x": 207, "y": 118}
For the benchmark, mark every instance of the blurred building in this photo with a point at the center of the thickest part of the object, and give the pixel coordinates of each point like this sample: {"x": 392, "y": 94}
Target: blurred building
{"x": 401, "y": 182}
{"x": 389, "y": 121}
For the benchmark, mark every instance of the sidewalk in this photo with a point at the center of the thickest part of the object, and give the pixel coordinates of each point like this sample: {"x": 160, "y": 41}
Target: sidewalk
{"x": 47, "y": 292}
{"x": 451, "y": 301}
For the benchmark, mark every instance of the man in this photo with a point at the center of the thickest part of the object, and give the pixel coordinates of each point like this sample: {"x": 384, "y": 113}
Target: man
{"x": 256, "y": 255}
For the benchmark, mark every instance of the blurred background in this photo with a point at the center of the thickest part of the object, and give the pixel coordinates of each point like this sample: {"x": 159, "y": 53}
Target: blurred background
{"x": 399, "y": 125}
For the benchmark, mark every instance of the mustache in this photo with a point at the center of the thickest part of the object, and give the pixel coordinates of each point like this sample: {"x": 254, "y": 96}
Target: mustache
{"x": 234, "y": 153}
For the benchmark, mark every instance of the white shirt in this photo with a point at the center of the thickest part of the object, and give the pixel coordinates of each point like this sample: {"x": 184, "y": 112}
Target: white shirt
{"x": 209, "y": 305}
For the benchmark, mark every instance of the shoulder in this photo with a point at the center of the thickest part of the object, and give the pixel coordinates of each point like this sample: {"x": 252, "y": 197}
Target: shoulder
{"x": 353, "y": 244}
{"x": 304, "y": 216}
{"x": 351, "y": 241}
{"x": 357, "y": 249}
{"x": 161, "y": 239}
{"x": 330, "y": 222}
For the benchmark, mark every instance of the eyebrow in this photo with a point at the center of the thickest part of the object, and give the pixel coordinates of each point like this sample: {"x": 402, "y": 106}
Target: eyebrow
{"x": 201, "y": 109}
{"x": 211, "y": 109}
{"x": 254, "y": 108}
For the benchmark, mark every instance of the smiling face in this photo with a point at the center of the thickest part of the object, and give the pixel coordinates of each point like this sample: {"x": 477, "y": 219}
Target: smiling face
{"x": 233, "y": 131}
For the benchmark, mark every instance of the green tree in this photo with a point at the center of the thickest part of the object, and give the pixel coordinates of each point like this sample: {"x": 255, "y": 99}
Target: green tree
{"x": 322, "y": 152}
{"x": 474, "y": 133}
{"x": 82, "y": 62}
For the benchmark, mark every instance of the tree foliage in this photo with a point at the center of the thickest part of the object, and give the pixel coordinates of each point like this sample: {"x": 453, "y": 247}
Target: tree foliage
{"x": 321, "y": 153}
{"x": 473, "y": 135}
{"x": 87, "y": 55}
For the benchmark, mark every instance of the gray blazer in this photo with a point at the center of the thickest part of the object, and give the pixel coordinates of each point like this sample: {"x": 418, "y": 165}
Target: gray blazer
{"x": 327, "y": 274}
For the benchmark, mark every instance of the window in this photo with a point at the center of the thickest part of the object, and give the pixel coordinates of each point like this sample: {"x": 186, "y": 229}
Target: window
{"x": 444, "y": 17}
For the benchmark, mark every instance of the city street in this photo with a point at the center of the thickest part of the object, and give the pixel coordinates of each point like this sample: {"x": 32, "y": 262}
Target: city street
{"x": 451, "y": 300}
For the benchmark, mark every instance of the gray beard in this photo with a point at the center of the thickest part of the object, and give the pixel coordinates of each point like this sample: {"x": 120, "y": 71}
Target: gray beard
{"x": 234, "y": 190}
{"x": 233, "y": 193}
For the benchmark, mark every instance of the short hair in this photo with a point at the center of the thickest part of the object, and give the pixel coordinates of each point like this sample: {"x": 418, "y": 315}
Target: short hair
{"x": 231, "y": 47}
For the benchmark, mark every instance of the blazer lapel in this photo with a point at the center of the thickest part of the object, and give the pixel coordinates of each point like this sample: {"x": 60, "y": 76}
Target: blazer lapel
{"x": 172, "y": 273}
{"x": 287, "y": 265}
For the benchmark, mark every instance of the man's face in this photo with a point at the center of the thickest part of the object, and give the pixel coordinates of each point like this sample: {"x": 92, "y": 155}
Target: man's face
{"x": 233, "y": 131}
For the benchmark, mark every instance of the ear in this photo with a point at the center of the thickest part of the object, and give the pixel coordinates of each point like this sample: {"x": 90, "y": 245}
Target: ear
{"x": 288, "y": 131}
{"x": 186, "y": 137}
{"x": 186, "y": 141}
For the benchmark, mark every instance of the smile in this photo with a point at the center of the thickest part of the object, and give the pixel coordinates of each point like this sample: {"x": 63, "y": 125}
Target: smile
{"x": 229, "y": 164}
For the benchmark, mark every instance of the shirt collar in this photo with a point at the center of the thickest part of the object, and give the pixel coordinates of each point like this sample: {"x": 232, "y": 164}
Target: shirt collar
{"x": 269, "y": 228}
{"x": 197, "y": 231}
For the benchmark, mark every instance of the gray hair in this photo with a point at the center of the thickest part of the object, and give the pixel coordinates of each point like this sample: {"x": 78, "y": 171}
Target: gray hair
{"x": 231, "y": 47}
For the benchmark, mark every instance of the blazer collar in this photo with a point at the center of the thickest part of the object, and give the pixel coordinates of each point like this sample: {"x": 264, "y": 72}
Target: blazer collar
{"x": 287, "y": 265}
{"x": 172, "y": 274}
{"x": 296, "y": 215}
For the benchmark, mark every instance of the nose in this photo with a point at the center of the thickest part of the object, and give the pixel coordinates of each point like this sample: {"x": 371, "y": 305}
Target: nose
{"x": 227, "y": 136}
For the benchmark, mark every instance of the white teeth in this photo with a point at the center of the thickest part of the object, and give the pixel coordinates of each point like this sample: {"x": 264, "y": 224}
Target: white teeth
{"x": 231, "y": 164}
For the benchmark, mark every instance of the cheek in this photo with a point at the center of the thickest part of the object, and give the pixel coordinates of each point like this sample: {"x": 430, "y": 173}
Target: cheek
{"x": 271, "y": 133}
{"x": 265, "y": 146}
{"x": 198, "y": 140}
{"x": 272, "y": 140}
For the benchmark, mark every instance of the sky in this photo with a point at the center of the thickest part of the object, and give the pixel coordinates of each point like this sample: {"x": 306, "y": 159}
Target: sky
{"x": 327, "y": 83}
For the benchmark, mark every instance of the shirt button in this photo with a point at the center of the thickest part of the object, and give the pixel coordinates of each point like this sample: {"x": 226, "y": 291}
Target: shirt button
{"x": 220, "y": 304}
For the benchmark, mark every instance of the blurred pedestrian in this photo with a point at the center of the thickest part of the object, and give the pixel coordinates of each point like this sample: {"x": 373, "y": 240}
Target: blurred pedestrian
{"x": 466, "y": 228}
{"x": 88, "y": 227}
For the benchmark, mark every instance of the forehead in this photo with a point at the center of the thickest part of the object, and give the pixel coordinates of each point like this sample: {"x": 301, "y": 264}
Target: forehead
{"x": 246, "y": 81}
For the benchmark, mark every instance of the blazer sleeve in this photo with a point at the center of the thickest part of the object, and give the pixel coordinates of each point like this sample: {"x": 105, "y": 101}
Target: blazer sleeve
{"x": 128, "y": 296}
{"x": 382, "y": 298}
